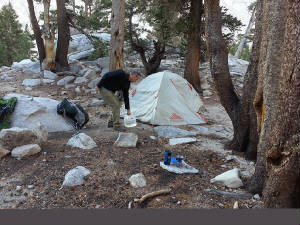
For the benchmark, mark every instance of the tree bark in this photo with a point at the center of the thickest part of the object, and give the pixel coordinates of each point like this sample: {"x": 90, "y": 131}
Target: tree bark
{"x": 191, "y": 72}
{"x": 245, "y": 138}
{"x": 239, "y": 51}
{"x": 282, "y": 147}
{"x": 267, "y": 92}
{"x": 49, "y": 37}
{"x": 63, "y": 37}
{"x": 117, "y": 35}
{"x": 37, "y": 32}
{"x": 218, "y": 58}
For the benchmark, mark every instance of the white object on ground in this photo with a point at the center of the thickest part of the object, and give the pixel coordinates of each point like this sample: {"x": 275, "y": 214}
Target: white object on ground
{"x": 179, "y": 170}
{"x": 75, "y": 176}
{"x": 83, "y": 141}
{"x": 129, "y": 121}
{"x": 126, "y": 140}
{"x": 138, "y": 180}
{"x": 229, "y": 179}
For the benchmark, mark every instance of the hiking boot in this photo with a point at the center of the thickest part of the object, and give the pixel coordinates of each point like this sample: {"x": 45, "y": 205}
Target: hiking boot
{"x": 110, "y": 124}
{"x": 119, "y": 128}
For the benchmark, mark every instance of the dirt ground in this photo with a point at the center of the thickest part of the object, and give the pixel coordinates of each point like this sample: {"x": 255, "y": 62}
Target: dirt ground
{"x": 107, "y": 186}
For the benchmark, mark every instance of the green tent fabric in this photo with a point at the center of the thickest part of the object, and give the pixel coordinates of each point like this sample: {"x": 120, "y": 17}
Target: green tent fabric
{"x": 7, "y": 107}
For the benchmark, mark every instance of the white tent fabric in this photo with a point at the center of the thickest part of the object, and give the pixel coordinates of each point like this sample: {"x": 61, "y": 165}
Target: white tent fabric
{"x": 165, "y": 98}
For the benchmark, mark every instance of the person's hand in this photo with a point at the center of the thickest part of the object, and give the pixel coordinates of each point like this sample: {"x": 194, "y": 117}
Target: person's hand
{"x": 128, "y": 112}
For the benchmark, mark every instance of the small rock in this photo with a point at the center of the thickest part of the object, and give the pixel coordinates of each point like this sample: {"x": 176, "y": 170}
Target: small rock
{"x": 63, "y": 93}
{"x": 178, "y": 203}
{"x": 31, "y": 82}
{"x": 220, "y": 205}
{"x": 65, "y": 80}
{"x": 47, "y": 81}
{"x": 229, "y": 179}
{"x": 126, "y": 140}
{"x": 256, "y": 197}
{"x": 77, "y": 89}
{"x": 31, "y": 186}
{"x": 28, "y": 89}
{"x": 137, "y": 180}
{"x": 75, "y": 176}
{"x": 68, "y": 86}
{"x": 80, "y": 80}
{"x": 207, "y": 93}
{"x": 49, "y": 75}
{"x": 153, "y": 137}
{"x": 236, "y": 205}
{"x": 177, "y": 141}
{"x": 82, "y": 141}
{"x": 97, "y": 206}
{"x": 25, "y": 150}
{"x": 90, "y": 74}
{"x": 229, "y": 158}
{"x": 18, "y": 188}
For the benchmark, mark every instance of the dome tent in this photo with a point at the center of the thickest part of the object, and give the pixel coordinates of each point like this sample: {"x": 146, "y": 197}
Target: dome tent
{"x": 165, "y": 98}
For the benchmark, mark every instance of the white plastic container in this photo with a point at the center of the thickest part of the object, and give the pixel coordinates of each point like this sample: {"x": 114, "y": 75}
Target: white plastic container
{"x": 129, "y": 121}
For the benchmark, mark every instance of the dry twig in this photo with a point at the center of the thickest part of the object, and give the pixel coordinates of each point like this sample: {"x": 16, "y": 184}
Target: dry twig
{"x": 152, "y": 194}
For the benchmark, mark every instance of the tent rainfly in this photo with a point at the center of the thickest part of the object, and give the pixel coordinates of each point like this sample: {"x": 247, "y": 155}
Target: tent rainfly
{"x": 165, "y": 98}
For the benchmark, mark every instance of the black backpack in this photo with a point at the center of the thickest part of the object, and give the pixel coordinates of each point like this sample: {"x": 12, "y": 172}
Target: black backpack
{"x": 73, "y": 111}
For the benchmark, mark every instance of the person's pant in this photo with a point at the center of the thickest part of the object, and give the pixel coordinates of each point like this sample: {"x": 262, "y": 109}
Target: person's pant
{"x": 113, "y": 102}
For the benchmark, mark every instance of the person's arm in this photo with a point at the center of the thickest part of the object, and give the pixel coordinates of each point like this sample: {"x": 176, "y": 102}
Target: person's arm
{"x": 126, "y": 99}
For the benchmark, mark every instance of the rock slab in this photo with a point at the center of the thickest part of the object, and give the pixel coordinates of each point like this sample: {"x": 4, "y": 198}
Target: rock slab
{"x": 126, "y": 140}
{"x": 25, "y": 150}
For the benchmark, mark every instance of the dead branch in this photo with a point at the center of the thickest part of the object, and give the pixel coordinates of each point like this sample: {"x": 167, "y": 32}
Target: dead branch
{"x": 152, "y": 194}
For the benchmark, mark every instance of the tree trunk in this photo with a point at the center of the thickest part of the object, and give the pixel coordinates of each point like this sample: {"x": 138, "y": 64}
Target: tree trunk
{"x": 218, "y": 57}
{"x": 49, "y": 37}
{"x": 117, "y": 35}
{"x": 239, "y": 51}
{"x": 63, "y": 37}
{"x": 37, "y": 32}
{"x": 267, "y": 93}
{"x": 245, "y": 138}
{"x": 280, "y": 81}
{"x": 191, "y": 72}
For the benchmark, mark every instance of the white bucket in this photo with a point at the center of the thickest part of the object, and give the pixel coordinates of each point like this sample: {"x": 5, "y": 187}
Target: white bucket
{"x": 129, "y": 121}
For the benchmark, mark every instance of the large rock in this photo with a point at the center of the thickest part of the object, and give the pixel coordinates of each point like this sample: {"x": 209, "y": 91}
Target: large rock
{"x": 80, "y": 54}
{"x": 103, "y": 62}
{"x": 30, "y": 110}
{"x": 25, "y": 150}
{"x": 33, "y": 67}
{"x": 31, "y": 82}
{"x": 3, "y": 152}
{"x": 171, "y": 132}
{"x": 6, "y": 77}
{"x": 49, "y": 75}
{"x": 90, "y": 74}
{"x": 229, "y": 179}
{"x": 138, "y": 180}
{"x": 94, "y": 82}
{"x": 83, "y": 141}
{"x": 25, "y": 63}
{"x": 80, "y": 80}
{"x": 65, "y": 80}
{"x": 15, "y": 136}
{"x": 126, "y": 140}
{"x": 75, "y": 176}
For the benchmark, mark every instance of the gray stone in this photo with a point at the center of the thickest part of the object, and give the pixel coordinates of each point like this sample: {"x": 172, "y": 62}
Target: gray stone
{"x": 3, "y": 152}
{"x": 33, "y": 68}
{"x": 6, "y": 77}
{"x": 229, "y": 158}
{"x": 104, "y": 71}
{"x": 80, "y": 80}
{"x": 83, "y": 71}
{"x": 77, "y": 90}
{"x": 138, "y": 180}
{"x": 75, "y": 176}
{"x": 207, "y": 93}
{"x": 25, "y": 150}
{"x": 256, "y": 197}
{"x": 47, "y": 81}
{"x": 68, "y": 86}
{"x": 80, "y": 55}
{"x": 96, "y": 102}
{"x": 31, "y": 82}
{"x": 178, "y": 141}
{"x": 229, "y": 179}
{"x": 15, "y": 136}
{"x": 31, "y": 186}
{"x": 49, "y": 75}
{"x": 171, "y": 132}
{"x": 25, "y": 63}
{"x": 90, "y": 74}
{"x": 103, "y": 62}
{"x": 126, "y": 140}
{"x": 76, "y": 67}
{"x": 82, "y": 141}
{"x": 30, "y": 110}
{"x": 94, "y": 82}
{"x": 65, "y": 80}
{"x": 28, "y": 89}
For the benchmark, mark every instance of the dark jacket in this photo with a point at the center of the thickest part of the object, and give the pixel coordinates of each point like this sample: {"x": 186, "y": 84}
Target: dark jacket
{"x": 116, "y": 80}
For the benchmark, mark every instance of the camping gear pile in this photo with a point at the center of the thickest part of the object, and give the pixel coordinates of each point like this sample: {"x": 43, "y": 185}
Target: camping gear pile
{"x": 7, "y": 107}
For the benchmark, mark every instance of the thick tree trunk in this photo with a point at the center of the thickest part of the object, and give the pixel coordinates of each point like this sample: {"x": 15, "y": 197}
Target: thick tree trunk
{"x": 37, "y": 32}
{"x": 239, "y": 51}
{"x": 246, "y": 137}
{"x": 191, "y": 72}
{"x": 63, "y": 37}
{"x": 117, "y": 35}
{"x": 267, "y": 93}
{"x": 282, "y": 152}
{"x": 218, "y": 57}
{"x": 49, "y": 37}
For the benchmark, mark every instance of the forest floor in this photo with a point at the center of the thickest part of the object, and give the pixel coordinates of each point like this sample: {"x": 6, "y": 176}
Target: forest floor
{"x": 40, "y": 176}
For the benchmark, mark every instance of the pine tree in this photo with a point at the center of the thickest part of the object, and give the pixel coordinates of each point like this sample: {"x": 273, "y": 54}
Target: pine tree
{"x": 15, "y": 43}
